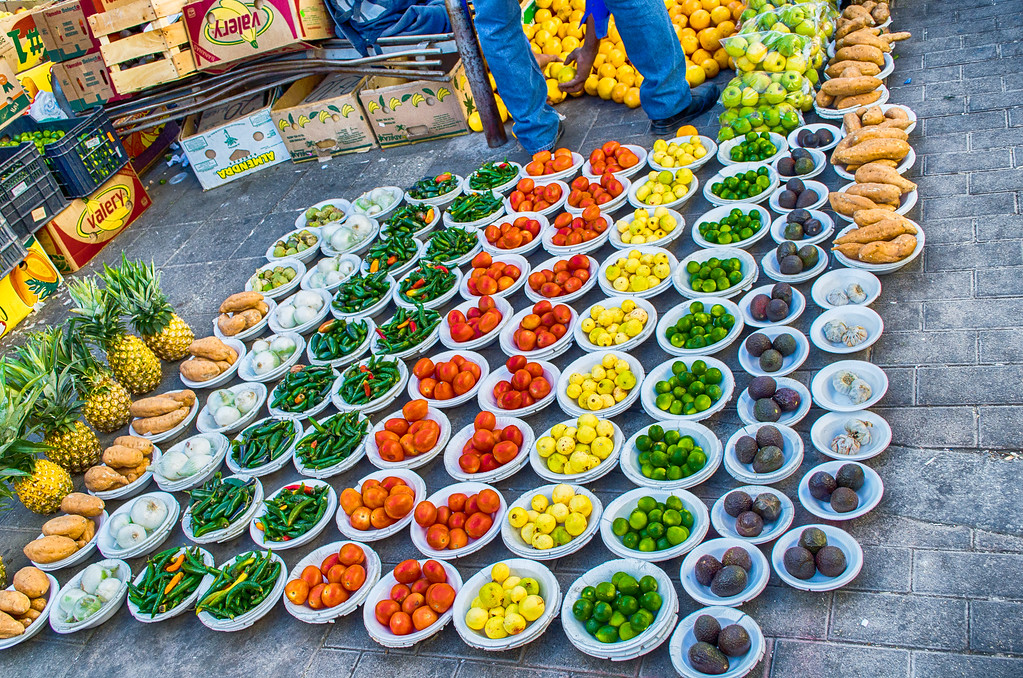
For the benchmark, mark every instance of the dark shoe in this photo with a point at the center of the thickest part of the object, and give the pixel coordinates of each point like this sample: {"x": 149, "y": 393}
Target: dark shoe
{"x": 704, "y": 98}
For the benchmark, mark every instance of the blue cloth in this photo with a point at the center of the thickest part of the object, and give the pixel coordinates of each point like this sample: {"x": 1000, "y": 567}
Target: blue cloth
{"x": 362, "y": 22}
{"x": 598, "y": 10}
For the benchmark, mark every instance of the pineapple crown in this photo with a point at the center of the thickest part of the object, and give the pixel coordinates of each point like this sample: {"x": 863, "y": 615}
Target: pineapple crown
{"x": 97, "y": 316}
{"x": 86, "y": 371}
{"x": 17, "y": 454}
{"x": 135, "y": 286}
{"x": 41, "y": 363}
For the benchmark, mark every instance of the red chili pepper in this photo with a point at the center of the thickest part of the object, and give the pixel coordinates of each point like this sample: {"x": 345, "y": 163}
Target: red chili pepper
{"x": 443, "y": 269}
{"x": 412, "y": 326}
{"x": 313, "y": 444}
{"x": 391, "y": 259}
{"x": 419, "y": 283}
{"x": 365, "y": 387}
{"x": 381, "y": 333}
{"x": 440, "y": 178}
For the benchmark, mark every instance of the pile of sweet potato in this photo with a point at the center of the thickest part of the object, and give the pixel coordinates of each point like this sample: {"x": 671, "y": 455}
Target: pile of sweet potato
{"x": 241, "y": 311}
{"x": 21, "y": 607}
{"x": 125, "y": 461}
{"x": 880, "y": 237}
{"x": 64, "y": 535}
{"x": 210, "y": 358}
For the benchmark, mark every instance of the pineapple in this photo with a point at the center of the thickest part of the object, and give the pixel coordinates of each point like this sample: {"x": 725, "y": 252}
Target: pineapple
{"x": 136, "y": 288}
{"x": 133, "y": 363}
{"x": 39, "y": 484}
{"x": 107, "y": 403}
{"x": 72, "y": 444}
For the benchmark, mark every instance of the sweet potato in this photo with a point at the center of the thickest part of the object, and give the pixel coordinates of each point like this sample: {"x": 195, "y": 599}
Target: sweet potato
{"x": 872, "y": 116}
{"x": 880, "y": 13}
{"x": 103, "y": 478}
{"x": 166, "y": 422}
{"x": 251, "y": 317}
{"x": 223, "y": 365}
{"x": 9, "y": 626}
{"x": 231, "y": 325}
{"x": 888, "y": 252}
{"x": 845, "y": 86}
{"x": 858, "y": 99}
{"x": 210, "y": 348}
{"x": 876, "y": 172}
{"x": 872, "y": 149}
{"x": 863, "y": 134}
{"x": 199, "y": 370}
{"x": 81, "y": 504}
{"x": 242, "y": 301}
{"x": 154, "y": 406}
{"x": 864, "y": 67}
{"x": 867, "y": 217}
{"x": 49, "y": 549}
{"x": 31, "y": 581}
{"x": 29, "y": 617}
{"x": 67, "y": 526}
{"x": 861, "y": 53}
{"x": 184, "y": 396}
{"x": 87, "y": 534}
{"x": 882, "y": 230}
{"x": 852, "y": 122}
{"x": 135, "y": 473}
{"x": 847, "y": 204}
{"x": 855, "y": 12}
{"x": 879, "y": 193}
{"x": 14, "y": 603}
{"x": 39, "y": 604}
{"x": 119, "y": 456}
{"x": 824, "y": 100}
{"x": 851, "y": 25}
{"x": 136, "y": 442}
{"x": 896, "y": 113}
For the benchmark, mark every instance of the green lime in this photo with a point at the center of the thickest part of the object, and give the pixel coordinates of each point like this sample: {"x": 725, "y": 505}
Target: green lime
{"x": 651, "y": 600}
{"x": 589, "y": 593}
{"x": 627, "y": 632}
{"x": 655, "y": 530}
{"x": 673, "y": 502}
{"x": 602, "y": 611}
{"x": 671, "y": 518}
{"x": 606, "y": 591}
{"x": 637, "y": 519}
{"x": 641, "y": 620}
{"x": 631, "y": 541}
{"x": 617, "y": 619}
{"x": 628, "y": 585}
{"x": 676, "y": 535}
{"x": 582, "y": 609}
{"x": 592, "y": 625}
{"x": 606, "y": 634}
{"x": 646, "y": 584}
{"x": 647, "y": 545}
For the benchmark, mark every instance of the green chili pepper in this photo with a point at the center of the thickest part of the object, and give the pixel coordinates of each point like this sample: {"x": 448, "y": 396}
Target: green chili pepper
{"x": 450, "y": 244}
{"x": 262, "y": 443}
{"x": 408, "y": 220}
{"x": 333, "y": 441}
{"x": 218, "y": 503}
{"x": 426, "y": 283}
{"x": 433, "y": 187}
{"x": 367, "y": 381}
{"x": 389, "y": 253}
{"x": 360, "y": 292}
{"x": 304, "y": 389}
{"x": 337, "y": 338}
{"x": 474, "y": 206}
{"x": 406, "y": 328}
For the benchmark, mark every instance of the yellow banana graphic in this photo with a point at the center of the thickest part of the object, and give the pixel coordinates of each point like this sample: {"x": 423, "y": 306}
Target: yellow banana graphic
{"x": 347, "y": 109}
{"x": 324, "y": 114}
{"x": 442, "y": 92}
{"x": 283, "y": 125}
{"x": 234, "y": 9}
{"x": 302, "y": 121}
{"x": 372, "y": 106}
{"x": 417, "y": 99}
{"x": 394, "y": 103}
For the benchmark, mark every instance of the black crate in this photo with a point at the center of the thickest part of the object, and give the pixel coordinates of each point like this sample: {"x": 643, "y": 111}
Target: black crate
{"x": 11, "y": 255}
{"x": 29, "y": 193}
{"x": 89, "y": 153}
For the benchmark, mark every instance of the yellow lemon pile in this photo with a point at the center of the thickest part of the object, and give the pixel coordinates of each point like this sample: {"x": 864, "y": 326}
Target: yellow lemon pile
{"x": 614, "y": 325}
{"x": 554, "y": 521}
{"x": 576, "y": 449}
{"x": 645, "y": 227}
{"x": 664, "y": 187}
{"x": 506, "y": 605}
{"x": 678, "y": 154}
{"x": 639, "y": 271}
{"x": 608, "y": 382}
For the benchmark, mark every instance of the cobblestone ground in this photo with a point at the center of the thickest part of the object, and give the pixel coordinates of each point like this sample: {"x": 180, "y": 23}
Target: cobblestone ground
{"x": 939, "y": 594}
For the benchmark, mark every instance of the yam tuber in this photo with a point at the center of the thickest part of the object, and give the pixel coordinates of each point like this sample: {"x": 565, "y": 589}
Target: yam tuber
{"x": 49, "y": 549}
{"x": 103, "y": 478}
{"x": 161, "y": 424}
{"x": 185, "y": 396}
{"x": 847, "y": 204}
{"x": 14, "y": 603}
{"x": 857, "y": 99}
{"x": 120, "y": 457}
{"x": 864, "y": 67}
{"x": 860, "y": 53}
{"x": 888, "y": 252}
{"x": 851, "y": 122}
{"x": 872, "y": 149}
{"x": 867, "y": 217}
{"x": 10, "y": 627}
{"x": 896, "y": 113}
{"x": 199, "y": 370}
{"x": 242, "y": 301}
{"x": 39, "y": 604}
{"x": 154, "y": 406}
{"x": 845, "y": 86}
{"x": 68, "y": 526}
{"x": 877, "y": 172}
{"x": 879, "y": 193}
{"x": 31, "y": 581}
{"x": 231, "y": 325}
{"x": 87, "y": 534}
{"x": 850, "y": 25}
{"x": 824, "y": 100}
{"x": 888, "y": 229}
{"x": 872, "y": 116}
{"x": 251, "y": 317}
{"x": 132, "y": 441}
{"x": 211, "y": 348}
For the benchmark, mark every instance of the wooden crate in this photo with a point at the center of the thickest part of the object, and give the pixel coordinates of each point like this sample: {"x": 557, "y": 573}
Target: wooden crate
{"x": 166, "y": 41}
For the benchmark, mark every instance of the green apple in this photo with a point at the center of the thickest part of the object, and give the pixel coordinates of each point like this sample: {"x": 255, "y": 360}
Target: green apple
{"x": 745, "y": 110}
{"x": 726, "y": 134}
{"x": 812, "y": 76}
{"x": 755, "y": 119}
{"x": 728, "y": 117}
{"x": 775, "y": 94}
{"x": 772, "y": 118}
{"x": 736, "y": 46}
{"x": 762, "y": 109}
{"x": 790, "y": 120}
{"x": 761, "y": 128}
{"x": 750, "y": 97}
{"x": 779, "y": 27}
{"x": 788, "y": 45}
{"x": 757, "y": 5}
{"x": 756, "y": 52}
{"x": 774, "y": 63}
{"x": 805, "y": 27}
{"x": 731, "y": 97}
{"x": 796, "y": 62}
{"x": 760, "y": 81}
{"x": 742, "y": 126}
{"x": 744, "y": 64}
{"x": 793, "y": 15}
{"x": 792, "y": 81}
{"x": 747, "y": 14}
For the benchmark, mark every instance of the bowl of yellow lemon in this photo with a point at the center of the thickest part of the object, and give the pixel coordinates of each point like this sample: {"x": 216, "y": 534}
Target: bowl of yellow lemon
{"x": 689, "y": 151}
{"x": 578, "y": 450}
{"x": 603, "y": 383}
{"x": 618, "y": 322}
{"x": 669, "y": 188}
{"x": 643, "y": 271}
{"x": 658, "y": 226}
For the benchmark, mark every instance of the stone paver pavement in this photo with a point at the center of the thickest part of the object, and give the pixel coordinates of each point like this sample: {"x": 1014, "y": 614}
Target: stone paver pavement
{"x": 939, "y": 594}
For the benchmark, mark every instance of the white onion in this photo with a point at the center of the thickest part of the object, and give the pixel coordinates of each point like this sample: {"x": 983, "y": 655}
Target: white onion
{"x": 246, "y": 400}
{"x": 148, "y": 512}
{"x": 199, "y": 445}
{"x": 282, "y": 346}
{"x": 92, "y": 577}
{"x": 305, "y": 314}
{"x": 226, "y": 416}
{"x": 171, "y": 463}
{"x": 286, "y": 316}
{"x": 107, "y": 589}
{"x": 130, "y": 535}
{"x": 117, "y": 522}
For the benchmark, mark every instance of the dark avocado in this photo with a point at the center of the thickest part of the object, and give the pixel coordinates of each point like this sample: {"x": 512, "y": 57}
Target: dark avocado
{"x": 777, "y": 310}
{"x": 799, "y": 563}
{"x": 830, "y": 561}
{"x": 758, "y": 307}
{"x": 769, "y": 435}
{"x": 757, "y": 343}
{"x": 813, "y": 539}
{"x": 767, "y": 506}
{"x": 851, "y": 476}
{"x": 791, "y": 265}
{"x": 706, "y": 658}
{"x": 706, "y": 629}
{"x": 788, "y": 399}
{"x": 809, "y": 256}
{"x": 844, "y": 500}
{"x": 706, "y": 568}
{"x": 734, "y": 640}
{"x": 785, "y": 344}
{"x": 821, "y": 485}
{"x": 766, "y": 409}
{"x": 730, "y": 581}
{"x": 782, "y": 291}
{"x": 768, "y": 459}
{"x": 737, "y": 502}
{"x": 745, "y": 449}
{"x": 749, "y": 524}
{"x": 770, "y": 360}
{"x": 737, "y": 555}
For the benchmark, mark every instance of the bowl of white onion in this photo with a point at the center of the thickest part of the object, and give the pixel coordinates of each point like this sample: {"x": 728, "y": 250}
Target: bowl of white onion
{"x": 270, "y": 357}
{"x": 330, "y": 272}
{"x": 353, "y": 236}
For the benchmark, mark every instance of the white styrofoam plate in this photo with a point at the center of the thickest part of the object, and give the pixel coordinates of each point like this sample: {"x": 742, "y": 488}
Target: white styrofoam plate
{"x": 708, "y": 144}
{"x": 605, "y": 466}
{"x": 378, "y": 403}
{"x": 374, "y": 534}
{"x": 680, "y": 226}
{"x": 503, "y": 305}
{"x": 725, "y": 524}
{"x": 304, "y": 613}
{"x": 756, "y": 580}
{"x": 512, "y": 537}
{"x": 750, "y": 272}
{"x": 382, "y": 589}
{"x": 744, "y": 404}
{"x": 796, "y": 308}
{"x": 273, "y": 465}
{"x": 836, "y": 135}
{"x": 306, "y": 255}
{"x": 301, "y": 540}
{"x": 778, "y": 229}
{"x": 79, "y": 555}
{"x": 108, "y": 545}
{"x": 340, "y": 203}
{"x": 186, "y": 603}
{"x": 829, "y": 425}
{"x": 440, "y": 498}
{"x": 682, "y": 639}
{"x": 724, "y": 154}
{"x": 583, "y": 365}
{"x": 820, "y": 163}
{"x": 41, "y": 621}
{"x": 828, "y": 397}
{"x": 716, "y": 214}
{"x": 672, "y": 317}
{"x": 841, "y": 279}
{"x": 233, "y": 529}
{"x": 772, "y": 268}
{"x": 373, "y": 450}
{"x": 792, "y": 452}
{"x": 285, "y": 289}
{"x": 818, "y": 582}
{"x": 487, "y": 401}
{"x": 880, "y": 269}
{"x": 663, "y": 372}
{"x": 704, "y": 439}
{"x": 511, "y": 218}
{"x": 246, "y": 368}
{"x": 206, "y": 424}
{"x": 869, "y": 495}
{"x": 740, "y": 168}
{"x": 471, "y": 356}
{"x": 626, "y": 504}
{"x": 616, "y": 301}
{"x": 607, "y": 285}
{"x": 789, "y": 363}
{"x": 108, "y": 610}
{"x": 454, "y": 451}
{"x": 854, "y": 316}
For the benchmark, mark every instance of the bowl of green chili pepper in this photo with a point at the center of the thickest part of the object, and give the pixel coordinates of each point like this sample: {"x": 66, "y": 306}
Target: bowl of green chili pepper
{"x": 362, "y": 296}
{"x": 453, "y": 246}
{"x": 264, "y": 446}
{"x": 493, "y": 176}
{"x": 331, "y": 445}
{"x": 221, "y": 508}
{"x": 339, "y": 342}
{"x": 243, "y": 591}
{"x": 438, "y": 190}
{"x": 394, "y": 255}
{"x": 370, "y": 384}
{"x": 304, "y": 392}
{"x": 407, "y": 333}
{"x": 294, "y": 515}
{"x": 475, "y": 210}
{"x": 431, "y": 284}
{"x": 413, "y": 220}
{"x": 168, "y": 584}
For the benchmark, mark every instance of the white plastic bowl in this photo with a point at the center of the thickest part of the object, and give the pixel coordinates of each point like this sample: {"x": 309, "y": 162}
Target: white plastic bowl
{"x": 732, "y": 170}
{"x": 436, "y": 302}
{"x": 718, "y": 213}
{"x": 670, "y": 318}
{"x": 79, "y": 555}
{"x": 504, "y": 188}
{"x": 249, "y": 618}
{"x": 828, "y": 398}
{"x": 440, "y": 498}
{"x": 611, "y": 205}
{"x": 344, "y": 360}
{"x": 665, "y": 284}
{"x": 724, "y": 154}
{"x": 861, "y": 316}
{"x": 430, "y": 225}
{"x": 449, "y": 221}
{"x": 399, "y": 270}
{"x": 235, "y": 528}
{"x": 382, "y": 589}
{"x": 616, "y": 301}
{"x": 564, "y": 298}
{"x": 287, "y": 288}
{"x": 682, "y": 639}
{"x": 373, "y": 534}
{"x": 351, "y": 460}
{"x": 513, "y": 538}
{"x": 772, "y": 269}
{"x": 602, "y": 469}
{"x": 663, "y": 372}
{"x": 910, "y": 113}
{"x": 459, "y": 439}
{"x": 252, "y": 332}
{"x": 832, "y": 424}
{"x": 555, "y": 206}
{"x": 488, "y": 403}
{"x": 422, "y": 347}
{"x": 820, "y": 163}
{"x": 460, "y": 259}
{"x": 224, "y": 376}
{"x": 186, "y": 603}
{"x": 705, "y": 440}
{"x": 302, "y": 328}
{"x": 869, "y": 495}
{"x": 789, "y": 363}
{"x": 503, "y": 305}
{"x": 817, "y": 187}
{"x": 778, "y": 229}
{"x": 41, "y": 621}
{"x": 583, "y": 365}
{"x": 306, "y": 255}
{"x": 724, "y": 524}
{"x": 247, "y": 372}
{"x": 325, "y": 615}
{"x": 841, "y": 278}
{"x": 792, "y": 452}
{"x": 818, "y": 582}
{"x": 220, "y": 445}
{"x": 370, "y": 311}
{"x": 756, "y": 580}
{"x": 510, "y": 218}
{"x": 503, "y": 258}
{"x": 750, "y": 272}
{"x": 836, "y": 134}
{"x": 108, "y": 610}
{"x": 547, "y": 236}
{"x": 257, "y": 535}
{"x": 626, "y": 504}
{"x": 311, "y": 412}
{"x": 481, "y": 362}
{"x": 373, "y": 451}
{"x": 378, "y": 403}
{"x": 680, "y": 226}
{"x": 674, "y": 204}
{"x": 744, "y": 404}
{"x": 708, "y": 144}
{"x": 796, "y": 308}
{"x": 340, "y": 203}
{"x": 206, "y": 424}
{"x": 880, "y": 269}
{"x": 271, "y": 466}
{"x": 507, "y": 336}
{"x": 170, "y": 434}
{"x": 550, "y": 591}
{"x": 108, "y": 545}
{"x": 577, "y": 163}
{"x": 397, "y": 193}
{"x": 641, "y": 155}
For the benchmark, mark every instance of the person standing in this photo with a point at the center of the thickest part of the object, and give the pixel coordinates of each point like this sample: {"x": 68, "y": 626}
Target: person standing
{"x": 650, "y": 42}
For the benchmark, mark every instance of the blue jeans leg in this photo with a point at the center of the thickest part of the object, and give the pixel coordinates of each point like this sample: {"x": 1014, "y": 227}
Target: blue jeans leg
{"x": 519, "y": 80}
{"x": 653, "y": 48}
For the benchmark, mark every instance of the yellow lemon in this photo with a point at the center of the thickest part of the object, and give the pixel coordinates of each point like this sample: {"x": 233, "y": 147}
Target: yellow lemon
{"x": 604, "y": 87}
